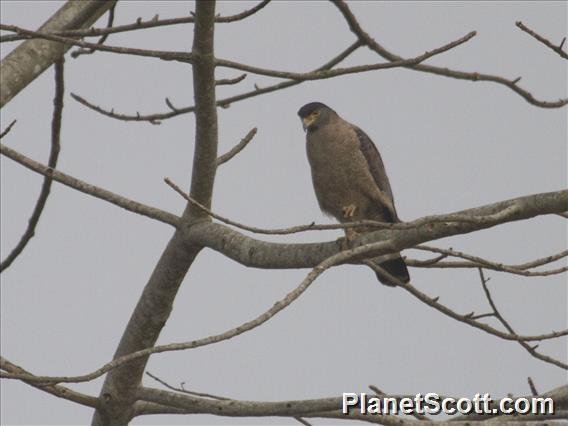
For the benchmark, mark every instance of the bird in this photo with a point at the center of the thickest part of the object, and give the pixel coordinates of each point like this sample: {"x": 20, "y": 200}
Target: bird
{"x": 349, "y": 179}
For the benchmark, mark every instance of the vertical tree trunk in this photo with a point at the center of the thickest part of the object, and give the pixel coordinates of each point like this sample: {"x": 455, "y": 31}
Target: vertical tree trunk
{"x": 118, "y": 394}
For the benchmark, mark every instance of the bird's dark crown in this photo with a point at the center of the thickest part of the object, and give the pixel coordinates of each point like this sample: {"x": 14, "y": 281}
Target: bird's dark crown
{"x": 311, "y": 107}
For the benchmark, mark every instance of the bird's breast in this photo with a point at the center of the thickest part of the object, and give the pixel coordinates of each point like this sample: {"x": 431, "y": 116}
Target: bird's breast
{"x": 335, "y": 171}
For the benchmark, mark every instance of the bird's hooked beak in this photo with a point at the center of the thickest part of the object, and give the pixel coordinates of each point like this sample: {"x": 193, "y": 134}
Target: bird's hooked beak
{"x": 307, "y": 121}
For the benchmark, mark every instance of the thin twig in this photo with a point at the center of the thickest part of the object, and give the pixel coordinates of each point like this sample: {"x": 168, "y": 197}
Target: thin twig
{"x": 546, "y": 42}
{"x": 138, "y": 25}
{"x": 103, "y": 38}
{"x": 542, "y": 261}
{"x": 237, "y": 148}
{"x": 56, "y": 390}
{"x": 224, "y": 103}
{"x": 465, "y": 318}
{"x": 475, "y": 262}
{"x": 324, "y": 74}
{"x": 530, "y": 349}
{"x": 182, "y": 389}
{"x": 461, "y": 75}
{"x": 425, "y": 263}
{"x": 302, "y": 421}
{"x": 532, "y": 386}
{"x": 89, "y": 189}
{"x": 230, "y": 81}
{"x": 51, "y": 164}
{"x": 7, "y": 129}
{"x": 184, "y": 57}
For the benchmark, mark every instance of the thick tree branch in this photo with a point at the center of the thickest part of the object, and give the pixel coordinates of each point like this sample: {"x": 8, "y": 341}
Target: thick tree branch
{"x": 31, "y": 58}
{"x": 239, "y": 408}
{"x": 52, "y": 163}
{"x": 324, "y": 407}
{"x": 372, "y": 224}
{"x": 261, "y": 254}
{"x": 461, "y": 75}
{"x": 89, "y": 189}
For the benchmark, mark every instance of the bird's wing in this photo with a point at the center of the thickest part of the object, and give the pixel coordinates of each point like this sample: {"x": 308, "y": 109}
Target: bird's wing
{"x": 377, "y": 169}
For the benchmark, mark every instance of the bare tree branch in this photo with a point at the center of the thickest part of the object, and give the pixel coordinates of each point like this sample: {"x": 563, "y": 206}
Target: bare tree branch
{"x": 237, "y": 148}
{"x": 461, "y": 75}
{"x": 532, "y": 386}
{"x": 154, "y": 306}
{"x": 52, "y": 163}
{"x": 261, "y": 254}
{"x": 110, "y": 22}
{"x": 89, "y": 189}
{"x": 369, "y": 250}
{"x": 164, "y": 55}
{"x": 56, "y": 390}
{"x": 447, "y": 218}
{"x": 7, "y": 129}
{"x": 470, "y": 319}
{"x": 380, "y": 393}
{"x": 324, "y": 407}
{"x": 530, "y": 349}
{"x": 184, "y": 390}
{"x": 230, "y": 81}
{"x": 157, "y": 118}
{"x": 323, "y": 74}
{"x": 486, "y": 264}
{"x": 546, "y": 42}
{"x": 31, "y": 58}
{"x": 122, "y": 396}
{"x": 139, "y": 25}
{"x": 542, "y": 261}
{"x": 476, "y": 262}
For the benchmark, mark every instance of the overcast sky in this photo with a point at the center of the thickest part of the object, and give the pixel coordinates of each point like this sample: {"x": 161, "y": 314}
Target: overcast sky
{"x": 447, "y": 145}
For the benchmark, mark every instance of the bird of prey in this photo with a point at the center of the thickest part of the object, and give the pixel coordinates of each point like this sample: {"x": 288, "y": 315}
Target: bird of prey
{"x": 349, "y": 178}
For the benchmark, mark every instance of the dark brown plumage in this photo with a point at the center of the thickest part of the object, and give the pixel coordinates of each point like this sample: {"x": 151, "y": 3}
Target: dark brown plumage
{"x": 349, "y": 177}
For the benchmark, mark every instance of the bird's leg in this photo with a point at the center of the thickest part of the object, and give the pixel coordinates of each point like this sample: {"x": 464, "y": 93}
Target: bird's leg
{"x": 350, "y": 236}
{"x": 350, "y": 233}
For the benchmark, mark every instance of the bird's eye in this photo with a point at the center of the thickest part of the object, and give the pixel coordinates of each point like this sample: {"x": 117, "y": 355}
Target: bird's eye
{"x": 315, "y": 114}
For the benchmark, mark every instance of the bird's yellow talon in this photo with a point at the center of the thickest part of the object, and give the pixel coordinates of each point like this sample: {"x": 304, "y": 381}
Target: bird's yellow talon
{"x": 349, "y": 211}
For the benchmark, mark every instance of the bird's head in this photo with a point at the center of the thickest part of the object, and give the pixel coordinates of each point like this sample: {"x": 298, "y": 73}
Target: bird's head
{"x": 314, "y": 115}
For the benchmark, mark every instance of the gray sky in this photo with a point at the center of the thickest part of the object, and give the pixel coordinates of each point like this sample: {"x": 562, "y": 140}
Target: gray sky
{"x": 447, "y": 145}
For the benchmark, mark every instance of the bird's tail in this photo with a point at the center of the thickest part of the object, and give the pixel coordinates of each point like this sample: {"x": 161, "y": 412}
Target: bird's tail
{"x": 394, "y": 266}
